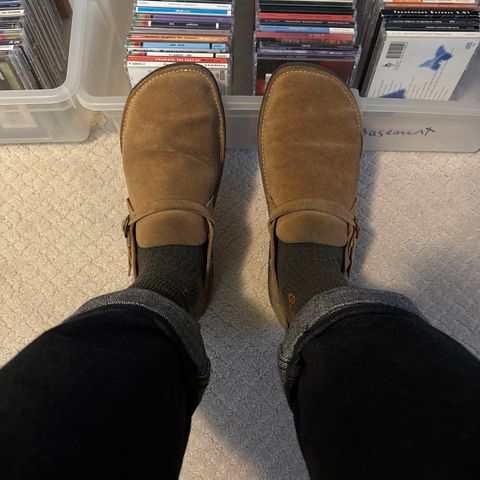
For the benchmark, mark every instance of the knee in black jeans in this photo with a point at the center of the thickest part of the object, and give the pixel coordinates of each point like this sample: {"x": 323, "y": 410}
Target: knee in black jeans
{"x": 385, "y": 396}
{"x": 108, "y": 393}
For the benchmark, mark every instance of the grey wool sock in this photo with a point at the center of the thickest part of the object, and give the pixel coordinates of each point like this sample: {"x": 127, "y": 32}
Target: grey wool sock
{"x": 174, "y": 271}
{"x": 305, "y": 270}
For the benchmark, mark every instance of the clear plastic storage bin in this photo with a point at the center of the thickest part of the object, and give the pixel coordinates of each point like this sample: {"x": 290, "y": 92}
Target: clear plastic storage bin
{"x": 54, "y": 115}
{"x": 389, "y": 124}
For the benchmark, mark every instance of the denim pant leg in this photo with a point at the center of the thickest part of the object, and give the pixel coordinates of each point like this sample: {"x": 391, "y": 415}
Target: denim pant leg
{"x": 108, "y": 392}
{"x": 378, "y": 393}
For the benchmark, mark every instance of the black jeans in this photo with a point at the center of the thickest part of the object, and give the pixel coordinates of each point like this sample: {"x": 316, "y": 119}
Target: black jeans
{"x": 380, "y": 395}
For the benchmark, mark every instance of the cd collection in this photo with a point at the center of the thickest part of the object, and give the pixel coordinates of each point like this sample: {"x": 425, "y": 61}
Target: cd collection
{"x": 188, "y": 31}
{"x": 32, "y": 52}
{"x": 320, "y": 32}
{"x": 408, "y": 49}
{"x": 413, "y": 49}
{"x": 422, "y": 49}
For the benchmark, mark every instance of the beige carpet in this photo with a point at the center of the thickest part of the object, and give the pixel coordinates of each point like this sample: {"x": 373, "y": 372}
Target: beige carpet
{"x": 61, "y": 207}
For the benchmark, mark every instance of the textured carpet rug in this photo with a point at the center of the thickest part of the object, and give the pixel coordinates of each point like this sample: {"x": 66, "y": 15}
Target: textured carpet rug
{"x": 61, "y": 208}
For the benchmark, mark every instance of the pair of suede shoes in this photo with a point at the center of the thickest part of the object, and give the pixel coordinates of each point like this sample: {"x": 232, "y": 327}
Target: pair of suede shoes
{"x": 173, "y": 148}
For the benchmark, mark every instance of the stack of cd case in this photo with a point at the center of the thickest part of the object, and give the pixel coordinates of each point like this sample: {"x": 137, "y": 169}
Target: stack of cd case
{"x": 422, "y": 49}
{"x": 165, "y": 32}
{"x": 320, "y": 32}
{"x": 32, "y": 51}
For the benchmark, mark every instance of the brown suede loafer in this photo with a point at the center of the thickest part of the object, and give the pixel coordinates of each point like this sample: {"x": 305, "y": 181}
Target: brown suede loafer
{"x": 173, "y": 147}
{"x": 310, "y": 143}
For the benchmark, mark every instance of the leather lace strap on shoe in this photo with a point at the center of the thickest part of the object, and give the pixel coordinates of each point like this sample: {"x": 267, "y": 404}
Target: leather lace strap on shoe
{"x": 329, "y": 208}
{"x": 159, "y": 206}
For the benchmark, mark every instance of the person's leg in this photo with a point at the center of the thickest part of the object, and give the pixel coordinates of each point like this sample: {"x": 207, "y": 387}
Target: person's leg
{"x": 112, "y": 390}
{"x": 376, "y": 392}
{"x": 109, "y": 392}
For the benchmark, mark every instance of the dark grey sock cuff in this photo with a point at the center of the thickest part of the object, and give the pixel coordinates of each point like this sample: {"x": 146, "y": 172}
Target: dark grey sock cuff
{"x": 321, "y": 313}
{"x": 185, "y": 327}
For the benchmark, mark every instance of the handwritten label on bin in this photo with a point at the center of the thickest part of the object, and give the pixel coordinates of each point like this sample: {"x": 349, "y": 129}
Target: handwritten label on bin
{"x": 397, "y": 132}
